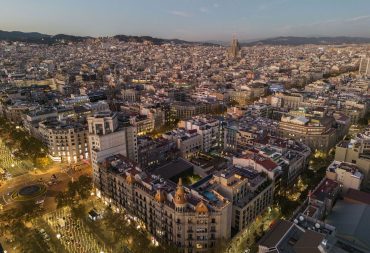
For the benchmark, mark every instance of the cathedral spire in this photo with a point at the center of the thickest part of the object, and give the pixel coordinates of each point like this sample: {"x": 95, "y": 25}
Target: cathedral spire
{"x": 234, "y": 49}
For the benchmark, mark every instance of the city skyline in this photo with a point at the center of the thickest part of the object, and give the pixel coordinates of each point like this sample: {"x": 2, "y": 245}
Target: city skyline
{"x": 189, "y": 20}
{"x": 194, "y": 126}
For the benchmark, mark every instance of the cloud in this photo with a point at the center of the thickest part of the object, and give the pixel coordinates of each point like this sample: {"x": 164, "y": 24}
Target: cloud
{"x": 358, "y": 18}
{"x": 204, "y": 9}
{"x": 270, "y": 5}
{"x": 333, "y": 22}
{"x": 216, "y": 5}
{"x": 353, "y": 26}
{"x": 183, "y": 14}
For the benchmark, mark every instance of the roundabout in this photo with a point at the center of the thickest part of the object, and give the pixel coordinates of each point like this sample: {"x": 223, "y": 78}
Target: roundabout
{"x": 29, "y": 192}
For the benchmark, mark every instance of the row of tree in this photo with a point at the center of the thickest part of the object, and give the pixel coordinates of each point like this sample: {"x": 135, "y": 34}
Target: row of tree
{"x": 15, "y": 232}
{"x": 76, "y": 190}
{"x": 25, "y": 146}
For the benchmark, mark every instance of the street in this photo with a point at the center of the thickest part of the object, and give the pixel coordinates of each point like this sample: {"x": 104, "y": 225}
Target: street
{"x": 44, "y": 177}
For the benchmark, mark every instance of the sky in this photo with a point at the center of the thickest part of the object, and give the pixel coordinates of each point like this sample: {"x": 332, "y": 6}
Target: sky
{"x": 195, "y": 20}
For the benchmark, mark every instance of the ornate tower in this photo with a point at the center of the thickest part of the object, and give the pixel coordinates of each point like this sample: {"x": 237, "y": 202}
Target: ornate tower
{"x": 234, "y": 49}
{"x": 180, "y": 198}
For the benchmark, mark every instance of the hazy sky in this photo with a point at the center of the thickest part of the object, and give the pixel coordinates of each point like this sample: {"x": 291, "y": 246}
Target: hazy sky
{"x": 189, "y": 19}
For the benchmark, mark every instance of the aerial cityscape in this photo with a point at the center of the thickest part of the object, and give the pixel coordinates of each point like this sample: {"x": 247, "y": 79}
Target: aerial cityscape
{"x": 185, "y": 126}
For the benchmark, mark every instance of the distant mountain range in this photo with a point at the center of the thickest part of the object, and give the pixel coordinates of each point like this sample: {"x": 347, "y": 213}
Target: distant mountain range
{"x": 293, "y": 41}
{"x": 157, "y": 41}
{"x": 39, "y": 38}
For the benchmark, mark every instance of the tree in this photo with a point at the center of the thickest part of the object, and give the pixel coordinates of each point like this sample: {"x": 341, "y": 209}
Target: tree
{"x": 82, "y": 186}
{"x": 64, "y": 199}
{"x": 141, "y": 242}
{"x": 42, "y": 162}
{"x": 78, "y": 211}
{"x": 220, "y": 246}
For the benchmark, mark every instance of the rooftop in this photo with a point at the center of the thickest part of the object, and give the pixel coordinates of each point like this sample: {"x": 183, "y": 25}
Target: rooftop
{"x": 326, "y": 189}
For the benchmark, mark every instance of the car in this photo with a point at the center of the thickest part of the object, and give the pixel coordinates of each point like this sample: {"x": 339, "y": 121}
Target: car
{"x": 40, "y": 201}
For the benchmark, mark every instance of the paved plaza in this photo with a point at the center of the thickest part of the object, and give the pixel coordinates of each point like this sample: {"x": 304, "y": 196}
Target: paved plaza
{"x": 8, "y": 163}
{"x": 73, "y": 234}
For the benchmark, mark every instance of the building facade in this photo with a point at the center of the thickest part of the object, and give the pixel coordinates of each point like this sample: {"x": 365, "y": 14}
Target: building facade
{"x": 172, "y": 214}
{"x": 66, "y": 141}
{"x": 107, "y": 137}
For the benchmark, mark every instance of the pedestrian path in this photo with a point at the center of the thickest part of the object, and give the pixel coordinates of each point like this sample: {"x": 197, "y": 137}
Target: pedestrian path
{"x": 9, "y": 164}
{"x": 73, "y": 234}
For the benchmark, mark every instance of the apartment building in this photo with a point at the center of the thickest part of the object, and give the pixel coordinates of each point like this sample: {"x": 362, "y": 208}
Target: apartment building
{"x": 356, "y": 151}
{"x": 287, "y": 100}
{"x": 347, "y": 174}
{"x": 172, "y": 213}
{"x": 189, "y": 142}
{"x": 317, "y": 133}
{"x": 208, "y": 128}
{"x": 32, "y": 119}
{"x": 155, "y": 152}
{"x": 108, "y": 137}
{"x": 67, "y": 141}
{"x": 259, "y": 163}
{"x": 142, "y": 123}
{"x": 250, "y": 192}
{"x": 186, "y": 110}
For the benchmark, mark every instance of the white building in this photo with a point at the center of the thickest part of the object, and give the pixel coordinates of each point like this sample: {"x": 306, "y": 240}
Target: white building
{"x": 107, "y": 138}
{"x": 347, "y": 174}
{"x": 66, "y": 141}
{"x": 208, "y": 129}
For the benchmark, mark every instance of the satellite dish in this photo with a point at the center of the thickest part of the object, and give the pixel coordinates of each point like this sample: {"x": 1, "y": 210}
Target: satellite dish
{"x": 317, "y": 225}
{"x": 301, "y": 218}
{"x": 295, "y": 221}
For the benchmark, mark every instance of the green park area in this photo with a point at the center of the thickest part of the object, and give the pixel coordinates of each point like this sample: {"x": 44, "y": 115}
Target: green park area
{"x": 70, "y": 228}
{"x": 112, "y": 231}
{"x": 20, "y": 152}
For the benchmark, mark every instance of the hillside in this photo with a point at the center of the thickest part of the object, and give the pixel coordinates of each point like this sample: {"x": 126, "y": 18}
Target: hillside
{"x": 293, "y": 41}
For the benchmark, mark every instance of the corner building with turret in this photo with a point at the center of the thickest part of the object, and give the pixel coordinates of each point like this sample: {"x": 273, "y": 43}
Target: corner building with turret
{"x": 172, "y": 213}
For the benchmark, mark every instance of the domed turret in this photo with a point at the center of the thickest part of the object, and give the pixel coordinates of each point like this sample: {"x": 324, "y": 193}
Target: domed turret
{"x": 179, "y": 198}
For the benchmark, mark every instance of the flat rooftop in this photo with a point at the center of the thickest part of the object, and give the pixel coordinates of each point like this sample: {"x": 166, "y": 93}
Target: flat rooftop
{"x": 173, "y": 169}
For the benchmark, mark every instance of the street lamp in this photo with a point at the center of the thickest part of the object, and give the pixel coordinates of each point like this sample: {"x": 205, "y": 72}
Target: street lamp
{"x": 58, "y": 236}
